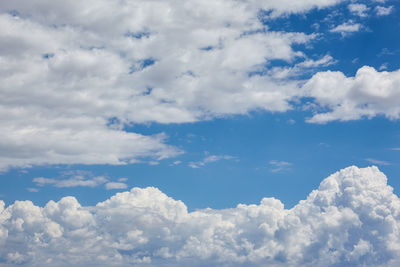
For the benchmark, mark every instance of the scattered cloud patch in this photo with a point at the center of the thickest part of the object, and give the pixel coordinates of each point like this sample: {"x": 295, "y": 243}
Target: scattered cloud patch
{"x": 73, "y": 181}
{"x": 115, "y": 185}
{"x": 74, "y": 76}
{"x": 358, "y": 9}
{"x": 32, "y": 190}
{"x": 209, "y": 159}
{"x": 352, "y": 219}
{"x": 78, "y": 178}
{"x": 279, "y": 166}
{"x": 384, "y": 11}
{"x": 347, "y": 28}
{"x": 377, "y": 162}
{"x": 176, "y": 162}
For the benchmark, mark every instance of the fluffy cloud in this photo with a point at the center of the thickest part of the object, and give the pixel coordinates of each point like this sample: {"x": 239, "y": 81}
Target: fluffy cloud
{"x": 352, "y": 219}
{"x": 347, "y": 28}
{"x": 74, "y": 74}
{"x": 368, "y": 94}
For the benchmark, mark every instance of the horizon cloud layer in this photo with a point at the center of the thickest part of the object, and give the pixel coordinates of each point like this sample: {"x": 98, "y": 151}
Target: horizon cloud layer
{"x": 353, "y": 218}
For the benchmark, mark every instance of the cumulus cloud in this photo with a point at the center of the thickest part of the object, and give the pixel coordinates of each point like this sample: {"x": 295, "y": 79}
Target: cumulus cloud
{"x": 352, "y": 219}
{"x": 368, "y": 94}
{"x": 74, "y": 74}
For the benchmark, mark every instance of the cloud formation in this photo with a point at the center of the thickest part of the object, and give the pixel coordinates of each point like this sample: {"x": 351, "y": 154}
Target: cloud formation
{"x": 74, "y": 75}
{"x": 78, "y": 178}
{"x": 208, "y": 159}
{"x": 352, "y": 219}
{"x": 368, "y": 94}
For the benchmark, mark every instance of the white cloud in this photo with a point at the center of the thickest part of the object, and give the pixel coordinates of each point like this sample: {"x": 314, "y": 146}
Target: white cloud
{"x": 352, "y": 219}
{"x": 377, "y": 162}
{"x": 278, "y": 166}
{"x": 75, "y": 73}
{"x": 383, "y": 11}
{"x": 115, "y": 185}
{"x": 79, "y": 178}
{"x": 176, "y": 162}
{"x": 209, "y": 159}
{"x": 73, "y": 181}
{"x": 347, "y": 28}
{"x": 368, "y": 94}
{"x": 358, "y": 9}
{"x": 33, "y": 190}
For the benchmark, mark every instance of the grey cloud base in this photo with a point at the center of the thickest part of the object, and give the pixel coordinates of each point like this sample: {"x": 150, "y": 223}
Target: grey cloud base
{"x": 352, "y": 219}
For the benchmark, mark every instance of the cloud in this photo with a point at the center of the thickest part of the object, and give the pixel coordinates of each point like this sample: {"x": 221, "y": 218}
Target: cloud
{"x": 278, "y": 166}
{"x": 74, "y": 74}
{"x": 78, "y": 178}
{"x": 368, "y": 94}
{"x": 377, "y": 162}
{"x": 73, "y": 181}
{"x": 115, "y": 185}
{"x": 383, "y": 11}
{"x": 352, "y": 219}
{"x": 358, "y": 9}
{"x": 347, "y": 28}
{"x": 209, "y": 159}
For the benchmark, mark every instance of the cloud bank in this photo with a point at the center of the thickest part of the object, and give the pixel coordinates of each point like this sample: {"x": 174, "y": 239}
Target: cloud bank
{"x": 75, "y": 74}
{"x": 352, "y": 219}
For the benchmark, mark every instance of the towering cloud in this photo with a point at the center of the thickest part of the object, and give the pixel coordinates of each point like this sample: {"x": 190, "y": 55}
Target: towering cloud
{"x": 352, "y": 219}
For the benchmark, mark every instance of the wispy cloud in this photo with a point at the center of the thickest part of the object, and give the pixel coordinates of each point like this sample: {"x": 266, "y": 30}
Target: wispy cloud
{"x": 209, "y": 159}
{"x": 33, "y": 190}
{"x": 78, "y": 179}
{"x": 377, "y": 162}
{"x": 278, "y": 166}
{"x": 347, "y": 28}
{"x": 73, "y": 181}
{"x": 115, "y": 185}
{"x": 176, "y": 162}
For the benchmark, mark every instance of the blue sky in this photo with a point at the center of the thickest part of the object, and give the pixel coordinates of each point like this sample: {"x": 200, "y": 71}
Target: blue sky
{"x": 214, "y": 104}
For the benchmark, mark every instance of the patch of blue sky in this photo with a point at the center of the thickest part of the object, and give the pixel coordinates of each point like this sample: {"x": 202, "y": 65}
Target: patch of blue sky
{"x": 353, "y": 50}
{"x": 255, "y": 142}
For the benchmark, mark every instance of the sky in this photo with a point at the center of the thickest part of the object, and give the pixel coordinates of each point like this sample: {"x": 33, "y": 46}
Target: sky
{"x": 201, "y": 133}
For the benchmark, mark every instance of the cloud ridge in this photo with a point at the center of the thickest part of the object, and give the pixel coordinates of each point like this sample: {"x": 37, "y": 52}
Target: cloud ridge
{"x": 353, "y": 218}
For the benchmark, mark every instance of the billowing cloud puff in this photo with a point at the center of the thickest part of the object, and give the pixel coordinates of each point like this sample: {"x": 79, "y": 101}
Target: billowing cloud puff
{"x": 352, "y": 219}
{"x": 368, "y": 94}
{"x": 75, "y": 73}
